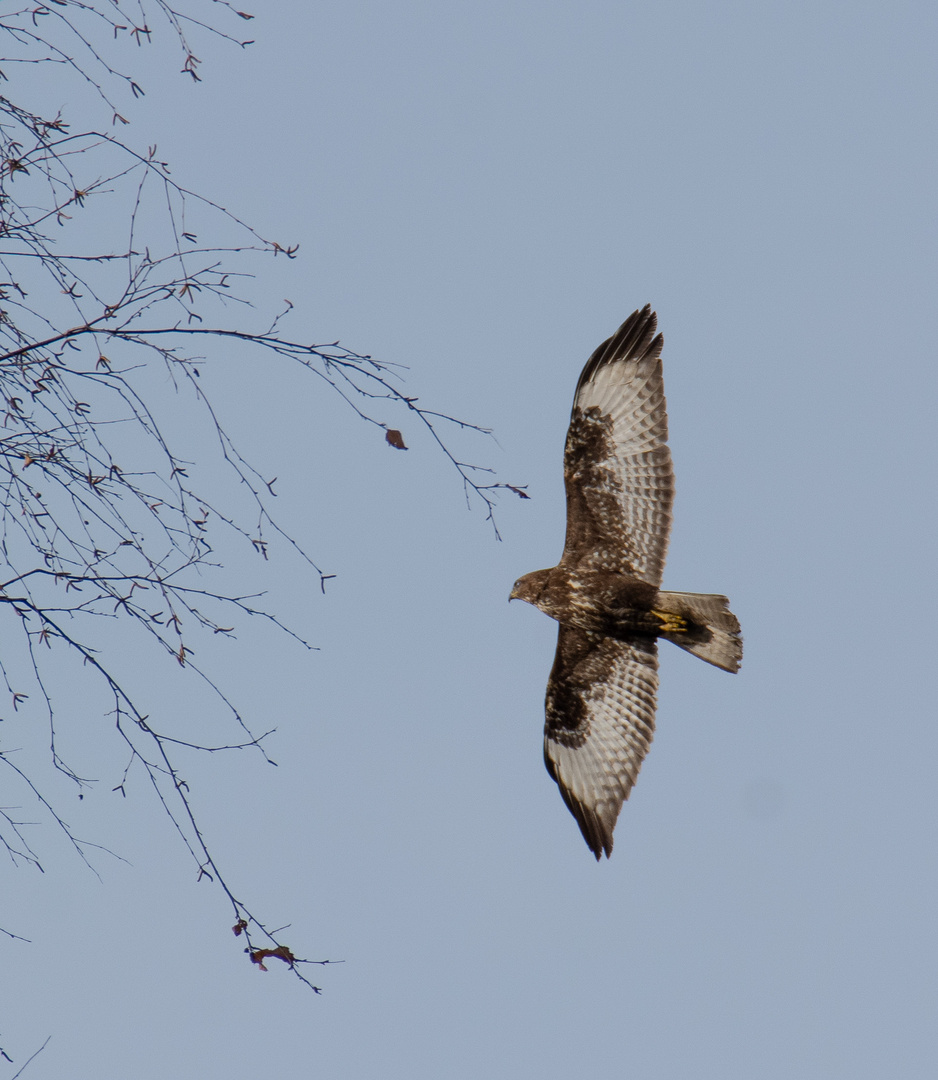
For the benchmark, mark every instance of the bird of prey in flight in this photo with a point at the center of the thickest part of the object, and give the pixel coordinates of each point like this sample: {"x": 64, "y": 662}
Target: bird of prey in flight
{"x": 605, "y": 591}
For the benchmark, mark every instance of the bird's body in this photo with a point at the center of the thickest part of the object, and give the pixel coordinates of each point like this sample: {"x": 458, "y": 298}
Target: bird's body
{"x": 601, "y": 602}
{"x": 605, "y": 591}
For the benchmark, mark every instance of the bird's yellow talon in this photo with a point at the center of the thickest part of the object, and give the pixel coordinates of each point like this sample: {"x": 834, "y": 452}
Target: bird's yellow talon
{"x": 671, "y": 624}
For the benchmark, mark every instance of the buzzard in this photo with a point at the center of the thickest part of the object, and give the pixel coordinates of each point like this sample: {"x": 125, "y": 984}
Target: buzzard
{"x": 605, "y": 591}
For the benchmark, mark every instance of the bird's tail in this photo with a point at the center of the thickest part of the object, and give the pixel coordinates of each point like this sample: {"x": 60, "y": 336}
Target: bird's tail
{"x": 712, "y": 630}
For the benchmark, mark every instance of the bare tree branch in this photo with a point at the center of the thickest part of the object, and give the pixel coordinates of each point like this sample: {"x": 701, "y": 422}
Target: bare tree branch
{"x": 105, "y": 280}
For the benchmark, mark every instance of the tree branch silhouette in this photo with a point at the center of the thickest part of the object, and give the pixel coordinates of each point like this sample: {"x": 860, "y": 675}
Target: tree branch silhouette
{"x": 106, "y": 280}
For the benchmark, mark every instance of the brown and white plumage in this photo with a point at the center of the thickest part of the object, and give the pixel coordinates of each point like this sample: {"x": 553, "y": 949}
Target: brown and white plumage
{"x": 600, "y": 722}
{"x": 617, "y": 465}
{"x": 601, "y": 695}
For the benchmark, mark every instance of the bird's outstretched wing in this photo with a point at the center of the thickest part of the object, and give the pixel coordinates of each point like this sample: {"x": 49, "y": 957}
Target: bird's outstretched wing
{"x": 600, "y": 722}
{"x": 617, "y": 466}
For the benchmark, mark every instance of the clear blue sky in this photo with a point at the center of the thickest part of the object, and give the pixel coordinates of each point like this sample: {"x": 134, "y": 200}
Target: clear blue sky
{"x": 483, "y": 191}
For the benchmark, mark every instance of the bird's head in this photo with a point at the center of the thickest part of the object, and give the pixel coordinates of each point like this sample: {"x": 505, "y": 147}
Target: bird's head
{"x": 530, "y": 587}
